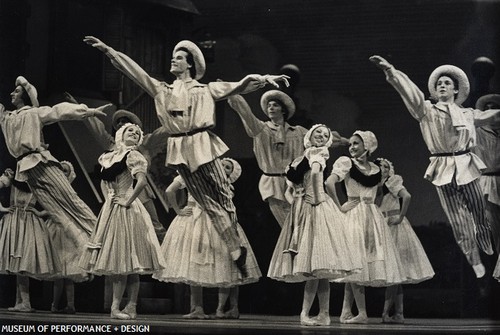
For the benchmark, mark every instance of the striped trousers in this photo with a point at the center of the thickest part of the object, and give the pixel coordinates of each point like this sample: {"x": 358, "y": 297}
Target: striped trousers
{"x": 465, "y": 208}
{"x": 56, "y": 195}
{"x": 210, "y": 187}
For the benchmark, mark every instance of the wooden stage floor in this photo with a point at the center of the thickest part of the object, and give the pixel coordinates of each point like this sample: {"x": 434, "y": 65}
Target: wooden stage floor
{"x": 42, "y": 322}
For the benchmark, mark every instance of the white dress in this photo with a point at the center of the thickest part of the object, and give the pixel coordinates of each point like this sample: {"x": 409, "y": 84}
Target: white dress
{"x": 195, "y": 254}
{"x": 124, "y": 241}
{"x": 417, "y": 267}
{"x": 314, "y": 242}
{"x": 25, "y": 247}
{"x": 373, "y": 243}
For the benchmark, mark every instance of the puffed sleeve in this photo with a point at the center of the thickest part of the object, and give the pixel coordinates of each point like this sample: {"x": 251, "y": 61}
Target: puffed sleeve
{"x": 180, "y": 181}
{"x": 317, "y": 155}
{"x": 136, "y": 163}
{"x": 341, "y": 167}
{"x": 395, "y": 184}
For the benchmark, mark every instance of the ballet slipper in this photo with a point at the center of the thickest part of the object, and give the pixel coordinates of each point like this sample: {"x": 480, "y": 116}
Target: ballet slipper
{"x": 345, "y": 316}
{"x": 322, "y": 320}
{"x": 233, "y": 313}
{"x": 130, "y": 309}
{"x": 398, "y": 318}
{"x": 117, "y": 314}
{"x": 69, "y": 310}
{"x": 22, "y": 307}
{"x": 197, "y": 313}
{"x": 307, "y": 321}
{"x": 361, "y": 319}
{"x": 219, "y": 314}
{"x": 386, "y": 318}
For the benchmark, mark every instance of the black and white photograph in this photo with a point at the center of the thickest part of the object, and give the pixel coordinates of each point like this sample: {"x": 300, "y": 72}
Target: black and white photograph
{"x": 250, "y": 166}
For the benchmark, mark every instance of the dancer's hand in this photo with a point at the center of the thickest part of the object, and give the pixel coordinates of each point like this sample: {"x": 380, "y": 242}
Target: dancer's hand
{"x": 186, "y": 211}
{"x": 120, "y": 202}
{"x": 380, "y": 62}
{"x": 347, "y": 206}
{"x": 273, "y": 79}
{"x": 96, "y": 43}
{"x": 99, "y": 111}
{"x": 70, "y": 98}
{"x": 394, "y": 220}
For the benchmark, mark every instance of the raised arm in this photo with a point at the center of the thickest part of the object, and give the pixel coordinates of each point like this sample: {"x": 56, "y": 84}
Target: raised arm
{"x": 412, "y": 96}
{"x": 126, "y": 66}
{"x": 253, "y": 126}
{"x": 68, "y": 111}
{"x": 490, "y": 118}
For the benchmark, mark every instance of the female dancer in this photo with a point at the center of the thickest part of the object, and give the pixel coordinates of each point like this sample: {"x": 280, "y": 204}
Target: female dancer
{"x": 124, "y": 243}
{"x": 417, "y": 267}
{"x": 70, "y": 271}
{"x": 24, "y": 241}
{"x": 314, "y": 245}
{"x": 372, "y": 244}
{"x": 196, "y": 254}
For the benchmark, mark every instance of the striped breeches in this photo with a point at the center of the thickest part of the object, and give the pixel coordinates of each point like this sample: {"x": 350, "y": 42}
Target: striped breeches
{"x": 210, "y": 187}
{"x": 465, "y": 208}
{"x": 54, "y": 192}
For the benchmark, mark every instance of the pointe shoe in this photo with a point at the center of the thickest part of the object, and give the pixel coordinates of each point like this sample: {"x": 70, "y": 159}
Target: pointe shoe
{"x": 130, "y": 309}
{"x": 117, "y": 314}
{"x": 233, "y": 313}
{"x": 307, "y": 321}
{"x": 358, "y": 319}
{"x": 323, "y": 320}
{"x": 22, "y": 307}
{"x": 69, "y": 310}
{"x": 344, "y": 317}
{"x": 220, "y": 314}
{"x": 386, "y": 318}
{"x": 398, "y": 318}
{"x": 196, "y": 314}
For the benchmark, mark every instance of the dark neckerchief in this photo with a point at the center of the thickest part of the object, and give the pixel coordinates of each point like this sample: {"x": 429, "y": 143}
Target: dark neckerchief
{"x": 21, "y": 186}
{"x": 296, "y": 175}
{"x": 114, "y": 170}
{"x": 360, "y": 177}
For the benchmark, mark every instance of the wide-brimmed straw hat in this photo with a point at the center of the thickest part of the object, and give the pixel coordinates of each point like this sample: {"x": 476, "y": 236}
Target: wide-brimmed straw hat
{"x": 280, "y": 96}
{"x": 488, "y": 98}
{"x": 199, "y": 59}
{"x": 457, "y": 74}
{"x": 126, "y": 114}
{"x": 30, "y": 89}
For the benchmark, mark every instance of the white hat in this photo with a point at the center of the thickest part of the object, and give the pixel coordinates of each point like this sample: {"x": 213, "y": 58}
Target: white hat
{"x": 457, "y": 74}
{"x": 488, "y": 98}
{"x": 236, "y": 173}
{"x": 307, "y": 136}
{"x": 369, "y": 140}
{"x": 280, "y": 96}
{"x": 126, "y": 114}
{"x": 199, "y": 59}
{"x": 119, "y": 134}
{"x": 30, "y": 89}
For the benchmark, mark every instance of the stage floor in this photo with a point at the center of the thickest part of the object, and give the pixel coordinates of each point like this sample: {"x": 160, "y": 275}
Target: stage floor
{"x": 85, "y": 323}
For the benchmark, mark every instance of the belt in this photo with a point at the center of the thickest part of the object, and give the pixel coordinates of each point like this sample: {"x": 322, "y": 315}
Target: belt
{"x": 191, "y": 132}
{"x": 493, "y": 173}
{"x": 391, "y": 213}
{"x": 366, "y": 200}
{"x": 456, "y": 153}
{"x": 274, "y": 174}
{"x": 27, "y": 154}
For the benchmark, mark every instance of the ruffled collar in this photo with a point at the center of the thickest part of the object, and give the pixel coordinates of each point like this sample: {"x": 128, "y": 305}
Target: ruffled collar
{"x": 107, "y": 159}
